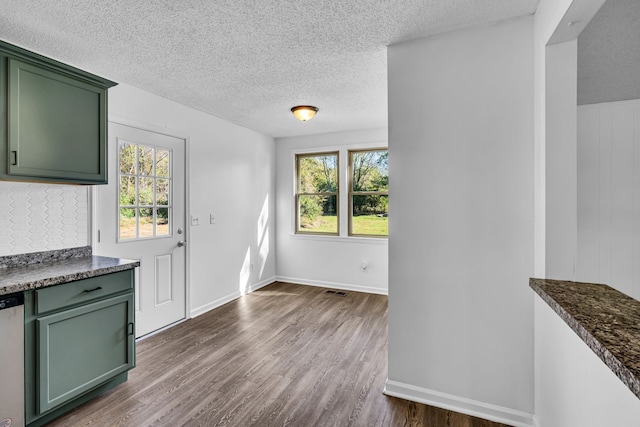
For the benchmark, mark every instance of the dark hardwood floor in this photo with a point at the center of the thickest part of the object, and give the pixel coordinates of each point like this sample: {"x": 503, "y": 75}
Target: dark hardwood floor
{"x": 285, "y": 355}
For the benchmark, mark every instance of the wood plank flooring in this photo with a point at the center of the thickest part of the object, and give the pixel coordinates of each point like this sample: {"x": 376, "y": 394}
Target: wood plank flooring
{"x": 285, "y": 355}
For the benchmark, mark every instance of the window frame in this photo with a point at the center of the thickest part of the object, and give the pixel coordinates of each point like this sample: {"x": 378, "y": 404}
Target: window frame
{"x": 352, "y": 193}
{"x": 298, "y": 156}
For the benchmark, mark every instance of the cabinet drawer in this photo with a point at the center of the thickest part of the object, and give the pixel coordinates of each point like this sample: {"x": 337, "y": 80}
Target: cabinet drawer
{"x": 81, "y": 291}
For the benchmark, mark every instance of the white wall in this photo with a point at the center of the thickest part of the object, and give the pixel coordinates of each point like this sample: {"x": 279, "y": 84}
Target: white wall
{"x": 327, "y": 260}
{"x": 548, "y": 15}
{"x": 573, "y": 386}
{"x": 461, "y": 246}
{"x": 561, "y": 161}
{"x": 569, "y": 377}
{"x": 609, "y": 195}
{"x": 231, "y": 174}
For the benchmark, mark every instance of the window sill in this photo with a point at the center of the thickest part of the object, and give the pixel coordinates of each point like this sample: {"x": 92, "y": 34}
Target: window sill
{"x": 342, "y": 239}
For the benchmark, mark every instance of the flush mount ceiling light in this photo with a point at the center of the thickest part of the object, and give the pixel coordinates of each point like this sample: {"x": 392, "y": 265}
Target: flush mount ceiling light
{"x": 304, "y": 112}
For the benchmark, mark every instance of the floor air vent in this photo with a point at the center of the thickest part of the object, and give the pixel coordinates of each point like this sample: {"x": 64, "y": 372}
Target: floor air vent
{"x": 338, "y": 293}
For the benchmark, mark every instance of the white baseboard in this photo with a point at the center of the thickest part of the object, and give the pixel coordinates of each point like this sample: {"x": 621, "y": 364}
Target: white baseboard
{"x": 228, "y": 298}
{"x": 458, "y": 404}
{"x": 261, "y": 284}
{"x": 334, "y": 285}
{"x": 195, "y": 312}
{"x": 235, "y": 295}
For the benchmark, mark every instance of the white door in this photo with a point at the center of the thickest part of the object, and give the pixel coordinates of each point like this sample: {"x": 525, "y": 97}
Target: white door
{"x": 141, "y": 215}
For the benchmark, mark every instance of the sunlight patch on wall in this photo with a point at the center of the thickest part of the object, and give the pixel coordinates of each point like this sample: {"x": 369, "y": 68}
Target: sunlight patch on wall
{"x": 263, "y": 235}
{"x": 245, "y": 273}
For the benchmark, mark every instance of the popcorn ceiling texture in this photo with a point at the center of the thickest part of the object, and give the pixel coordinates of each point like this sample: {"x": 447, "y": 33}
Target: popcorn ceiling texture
{"x": 609, "y": 54}
{"x": 41, "y": 217}
{"x": 247, "y": 61}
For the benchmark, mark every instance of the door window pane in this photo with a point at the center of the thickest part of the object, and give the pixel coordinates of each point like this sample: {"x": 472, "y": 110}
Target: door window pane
{"x": 144, "y": 193}
{"x": 128, "y": 160}
{"x": 162, "y": 163}
{"x": 128, "y": 223}
{"x": 128, "y": 191}
{"x": 146, "y": 222}
{"x": 145, "y": 160}
{"x": 162, "y": 222}
{"x": 162, "y": 192}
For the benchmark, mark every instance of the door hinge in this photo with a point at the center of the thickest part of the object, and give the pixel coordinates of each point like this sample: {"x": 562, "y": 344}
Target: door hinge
{"x": 130, "y": 328}
{"x": 98, "y": 236}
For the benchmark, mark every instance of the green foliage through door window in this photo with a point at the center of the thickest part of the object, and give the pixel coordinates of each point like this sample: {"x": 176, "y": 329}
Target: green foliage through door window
{"x": 144, "y": 191}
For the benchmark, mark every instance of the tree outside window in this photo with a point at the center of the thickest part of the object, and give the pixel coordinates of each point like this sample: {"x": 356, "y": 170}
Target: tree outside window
{"x": 369, "y": 193}
{"x": 317, "y": 187}
{"x": 144, "y": 192}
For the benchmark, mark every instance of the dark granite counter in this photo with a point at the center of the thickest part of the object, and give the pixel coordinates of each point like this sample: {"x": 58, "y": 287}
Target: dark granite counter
{"x": 607, "y": 320}
{"x": 37, "y": 270}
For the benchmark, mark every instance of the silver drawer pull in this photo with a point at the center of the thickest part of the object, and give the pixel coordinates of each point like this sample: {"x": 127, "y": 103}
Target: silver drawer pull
{"x": 92, "y": 290}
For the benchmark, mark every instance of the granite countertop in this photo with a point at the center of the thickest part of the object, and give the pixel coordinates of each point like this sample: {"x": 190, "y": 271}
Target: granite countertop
{"x": 38, "y": 270}
{"x": 607, "y": 320}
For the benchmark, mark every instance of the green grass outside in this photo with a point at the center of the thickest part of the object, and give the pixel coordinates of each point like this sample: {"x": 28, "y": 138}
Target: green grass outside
{"x": 370, "y": 225}
{"x": 320, "y": 224}
{"x": 128, "y": 227}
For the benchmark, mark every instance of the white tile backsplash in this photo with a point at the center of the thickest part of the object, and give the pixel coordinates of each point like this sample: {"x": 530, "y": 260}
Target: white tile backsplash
{"x": 42, "y": 217}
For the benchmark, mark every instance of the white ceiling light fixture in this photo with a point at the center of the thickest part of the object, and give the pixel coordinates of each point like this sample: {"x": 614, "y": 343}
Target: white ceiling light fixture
{"x": 304, "y": 112}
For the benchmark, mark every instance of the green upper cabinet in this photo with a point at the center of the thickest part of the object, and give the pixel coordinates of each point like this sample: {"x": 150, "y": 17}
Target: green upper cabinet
{"x": 53, "y": 120}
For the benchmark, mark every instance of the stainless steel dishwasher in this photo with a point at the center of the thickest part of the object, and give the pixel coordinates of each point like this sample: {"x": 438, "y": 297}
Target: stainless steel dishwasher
{"x": 12, "y": 360}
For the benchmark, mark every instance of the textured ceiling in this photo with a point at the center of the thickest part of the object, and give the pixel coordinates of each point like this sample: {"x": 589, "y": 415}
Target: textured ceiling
{"x": 247, "y": 61}
{"x": 609, "y": 54}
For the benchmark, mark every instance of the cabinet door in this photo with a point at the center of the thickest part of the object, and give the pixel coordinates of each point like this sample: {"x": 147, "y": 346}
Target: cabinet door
{"x": 56, "y": 125}
{"x": 81, "y": 348}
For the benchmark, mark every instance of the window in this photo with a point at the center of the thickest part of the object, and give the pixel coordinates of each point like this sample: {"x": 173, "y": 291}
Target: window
{"x": 358, "y": 209}
{"x": 369, "y": 193}
{"x": 144, "y": 193}
{"x": 317, "y": 189}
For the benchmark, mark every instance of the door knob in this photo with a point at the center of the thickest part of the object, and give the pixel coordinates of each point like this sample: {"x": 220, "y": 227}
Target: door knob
{"x": 181, "y": 243}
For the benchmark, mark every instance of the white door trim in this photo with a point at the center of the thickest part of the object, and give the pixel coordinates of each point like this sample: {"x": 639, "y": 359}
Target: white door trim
{"x": 94, "y": 199}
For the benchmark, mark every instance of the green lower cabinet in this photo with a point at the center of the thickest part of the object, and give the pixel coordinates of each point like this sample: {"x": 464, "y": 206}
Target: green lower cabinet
{"x": 81, "y": 348}
{"x": 76, "y": 353}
